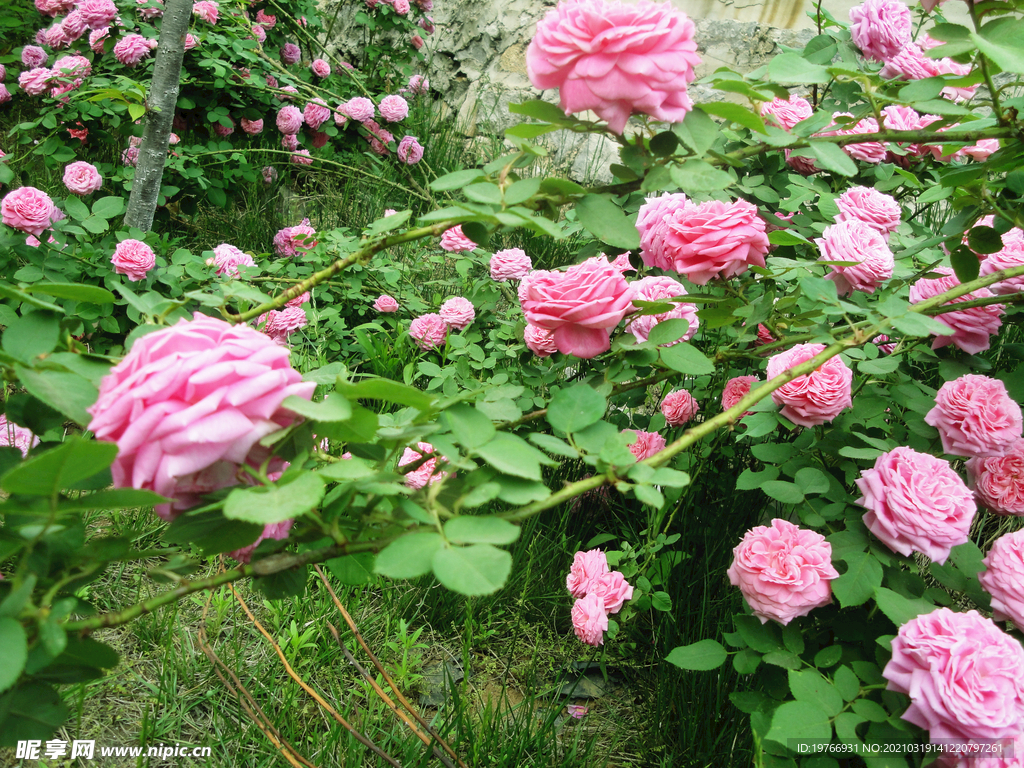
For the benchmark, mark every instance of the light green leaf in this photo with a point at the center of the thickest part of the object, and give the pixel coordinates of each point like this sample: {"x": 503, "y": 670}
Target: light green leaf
{"x": 734, "y": 113}
{"x": 410, "y": 556}
{"x": 686, "y": 358}
{"x": 469, "y": 426}
{"x": 60, "y": 467}
{"x": 90, "y": 294}
{"x": 456, "y": 179}
{"x": 108, "y": 207}
{"x": 607, "y": 222}
{"x": 63, "y": 391}
{"x": 480, "y": 569}
{"x": 14, "y": 641}
{"x": 808, "y": 685}
{"x": 830, "y": 157}
{"x": 388, "y": 391}
{"x": 792, "y": 68}
{"x": 575, "y": 408}
{"x": 467, "y": 529}
{"x": 354, "y": 569}
{"x": 900, "y": 609}
{"x": 275, "y": 503}
{"x": 801, "y": 721}
{"x": 334, "y": 408}
{"x": 697, "y": 176}
{"x": 699, "y": 656}
{"x": 513, "y": 456}
{"x": 780, "y": 490}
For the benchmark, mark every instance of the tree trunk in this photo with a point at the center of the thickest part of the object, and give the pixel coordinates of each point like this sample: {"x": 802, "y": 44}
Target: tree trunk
{"x": 161, "y": 101}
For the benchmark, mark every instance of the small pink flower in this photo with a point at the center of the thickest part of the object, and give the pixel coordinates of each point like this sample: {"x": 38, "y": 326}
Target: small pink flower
{"x": 131, "y": 49}
{"x": 298, "y": 301}
{"x": 130, "y": 156}
{"x": 290, "y": 53}
{"x": 577, "y": 711}
{"x": 409, "y": 150}
{"x": 975, "y": 416}
{"x": 35, "y": 81}
{"x": 401, "y": 7}
{"x": 14, "y": 436}
{"x": 736, "y": 389}
{"x": 150, "y": 9}
{"x": 646, "y": 444}
{"x": 385, "y": 303}
{"x": 589, "y": 619}
{"x": 5, "y": 95}
{"x": 191, "y": 41}
{"x": 418, "y": 84}
{"x": 876, "y": 209}
{"x": 280, "y": 324}
{"x": 457, "y": 312}
{"x": 320, "y": 68}
{"x": 301, "y": 157}
{"x": 207, "y": 10}
{"x": 972, "y": 328}
{"x": 814, "y": 398}
{"x": 359, "y": 109}
{"x": 394, "y": 108}
{"x": 1010, "y": 255}
{"x": 660, "y": 288}
{"x": 998, "y": 481}
{"x": 290, "y": 142}
{"x": 224, "y": 130}
{"x": 57, "y": 38}
{"x": 340, "y": 118}
{"x": 866, "y": 260}
{"x": 265, "y": 20}
{"x": 1004, "y": 577}
{"x": 74, "y": 25}
{"x": 786, "y": 113}
{"x": 27, "y": 209}
{"x": 416, "y": 41}
{"x": 227, "y": 258}
{"x": 429, "y": 331}
{"x": 679, "y": 407}
{"x": 587, "y": 567}
{"x": 880, "y": 342}
{"x": 133, "y": 258}
{"x": 540, "y": 341}
{"x": 259, "y": 34}
{"x": 454, "y": 241}
{"x": 289, "y": 120}
{"x": 82, "y": 178}
{"x": 274, "y": 531}
{"x": 982, "y": 149}
{"x": 510, "y": 264}
{"x": 319, "y": 139}
{"x": 292, "y": 241}
{"x": 252, "y": 127}
{"x": 427, "y": 473}
{"x": 316, "y": 113}
{"x": 98, "y": 13}
{"x": 866, "y": 152}
{"x": 33, "y": 56}
{"x": 881, "y": 28}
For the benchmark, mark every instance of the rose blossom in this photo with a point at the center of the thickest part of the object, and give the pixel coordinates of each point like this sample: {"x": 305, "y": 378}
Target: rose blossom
{"x": 713, "y": 239}
{"x": 863, "y": 249}
{"x": 359, "y": 109}
{"x": 74, "y": 25}
{"x": 975, "y": 416}
{"x": 418, "y": 84}
{"x": 615, "y": 59}
{"x": 275, "y": 531}
{"x": 416, "y": 41}
{"x": 401, "y": 7}
{"x": 150, "y": 9}
{"x": 290, "y": 53}
{"x": 33, "y": 56}
{"x": 1004, "y": 579}
{"x": 813, "y": 398}
{"x": 28, "y": 209}
{"x": 291, "y": 241}
{"x": 881, "y": 28}
{"x": 982, "y": 149}
{"x": 289, "y": 120}
{"x": 378, "y": 137}
{"x": 132, "y": 49}
{"x": 130, "y": 156}
{"x": 646, "y": 444}
{"x": 224, "y": 130}
{"x": 510, "y": 264}
{"x": 191, "y": 41}
{"x": 289, "y": 93}
{"x": 971, "y": 327}
{"x": 539, "y": 341}
{"x": 290, "y": 142}
{"x": 866, "y": 152}
{"x": 298, "y": 301}
{"x": 457, "y": 312}
{"x": 998, "y": 481}
{"x": 427, "y": 473}
{"x": 133, "y": 258}
{"x": 429, "y": 331}
{"x": 735, "y": 390}
{"x": 385, "y": 303}
{"x": 454, "y": 241}
{"x": 1010, "y": 255}
{"x": 613, "y": 589}
{"x": 964, "y": 676}
{"x": 15, "y": 436}
{"x": 878, "y": 210}
{"x": 650, "y": 220}
{"x": 783, "y": 571}
{"x": 207, "y": 10}
{"x": 5, "y": 95}
{"x": 409, "y": 150}
{"x": 587, "y": 567}
{"x": 394, "y": 108}
{"x": 269, "y": 174}
{"x": 3, "y": 73}
{"x": 57, "y": 38}
{"x": 787, "y": 112}
{"x": 316, "y": 113}
{"x": 319, "y": 140}
{"x": 589, "y": 619}
{"x": 265, "y": 19}
{"x": 280, "y": 324}
{"x": 82, "y": 178}
{"x": 662, "y": 289}
{"x": 227, "y": 258}
{"x": 320, "y": 68}
{"x": 916, "y": 503}
{"x": 251, "y": 127}
{"x": 189, "y": 404}
{"x": 35, "y": 81}
{"x": 678, "y": 408}
{"x": 581, "y": 305}
{"x": 98, "y": 13}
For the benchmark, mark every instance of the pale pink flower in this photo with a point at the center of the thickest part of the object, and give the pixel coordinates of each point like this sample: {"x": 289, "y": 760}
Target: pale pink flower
{"x": 783, "y": 571}
{"x": 866, "y": 152}
{"x": 418, "y": 84}
{"x": 27, "y": 209}
{"x": 265, "y": 20}
{"x": 863, "y": 249}
{"x": 71, "y": 68}
{"x": 74, "y": 25}
{"x": 98, "y": 13}
{"x": 661, "y": 288}
{"x": 814, "y": 398}
{"x": 998, "y": 481}
{"x": 3, "y": 73}
{"x": 130, "y": 156}
{"x": 385, "y": 303}
{"x": 401, "y": 7}
{"x": 133, "y": 258}
{"x": 291, "y": 241}
{"x": 316, "y": 113}
{"x": 982, "y": 149}
{"x": 1010, "y": 255}
{"x": 33, "y": 56}
{"x": 131, "y": 49}
{"x": 409, "y": 150}
{"x": 320, "y": 68}
{"x": 275, "y": 531}
{"x": 646, "y": 444}
{"x": 540, "y": 341}
{"x": 290, "y": 142}
{"x": 909, "y": 63}
{"x": 428, "y": 472}
{"x": 207, "y": 10}
{"x": 616, "y": 59}
{"x": 881, "y": 28}
{"x": 972, "y": 328}
{"x": 224, "y": 130}
{"x": 613, "y": 589}
{"x": 378, "y": 137}
{"x": 227, "y": 258}
{"x": 589, "y": 619}
{"x": 577, "y": 711}
{"x": 15, "y": 436}
{"x": 340, "y": 118}
{"x": 150, "y": 9}
{"x": 457, "y": 312}
{"x": 975, "y": 416}
{"x": 679, "y": 407}
{"x": 876, "y": 209}
{"x": 289, "y": 120}
{"x": 880, "y": 342}
{"x": 429, "y": 331}
{"x": 427, "y": 24}
{"x": 587, "y": 567}
{"x": 786, "y": 113}
{"x": 359, "y": 109}
{"x": 252, "y": 127}
{"x": 301, "y": 157}
{"x": 736, "y": 389}
{"x": 394, "y": 108}
{"x": 259, "y": 34}
{"x": 416, "y": 41}
{"x": 5, "y": 95}
{"x": 454, "y": 241}
{"x": 82, "y": 178}
{"x": 57, "y": 38}
{"x": 1004, "y": 577}
{"x": 280, "y": 324}
{"x": 191, "y": 41}
{"x": 650, "y": 220}
{"x": 290, "y": 53}
{"x": 298, "y": 301}
{"x": 510, "y": 264}
{"x": 35, "y": 81}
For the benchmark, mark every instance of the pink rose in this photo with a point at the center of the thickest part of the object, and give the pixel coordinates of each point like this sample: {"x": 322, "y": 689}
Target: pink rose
{"x": 133, "y": 258}
{"x": 298, "y": 301}
{"x": 292, "y": 241}
{"x": 880, "y": 342}
{"x": 580, "y": 305}
{"x": 269, "y": 174}
{"x": 998, "y": 481}
{"x": 510, "y": 264}
{"x": 783, "y": 571}
{"x": 275, "y": 531}
{"x": 764, "y": 336}
{"x": 82, "y": 178}
{"x": 646, "y": 444}
{"x": 227, "y": 258}
{"x": 427, "y": 473}
{"x": 418, "y": 84}
{"x": 98, "y": 39}
{"x": 975, "y": 416}
{"x": 679, "y": 407}
{"x": 401, "y": 7}
{"x": 385, "y": 303}
{"x": 290, "y": 142}
{"x": 290, "y": 53}
{"x": 814, "y": 398}
{"x": 881, "y": 28}
{"x": 14, "y": 436}
{"x": 131, "y": 49}
{"x": 224, "y": 130}
{"x": 982, "y": 149}
{"x": 5, "y": 95}
{"x": 878, "y": 210}
{"x": 713, "y": 239}
{"x": 613, "y": 589}
{"x": 359, "y": 109}
{"x": 900, "y": 118}
{"x": 288, "y": 94}
{"x": 1004, "y": 579}
{"x": 265, "y": 20}
{"x": 280, "y": 324}
{"x": 207, "y": 10}
{"x": 150, "y": 9}
{"x": 316, "y": 113}
{"x": 130, "y": 156}
{"x": 289, "y": 120}
{"x": 964, "y": 676}
{"x": 587, "y": 567}
{"x": 863, "y": 249}
{"x": 394, "y": 108}
{"x": 736, "y": 389}
{"x": 378, "y": 138}
{"x": 589, "y": 619}
{"x": 454, "y": 241}
{"x": 409, "y": 150}
{"x": 28, "y": 209}
{"x": 191, "y": 41}
{"x": 340, "y": 118}
{"x": 320, "y": 68}
{"x": 74, "y": 25}
{"x": 540, "y": 341}
{"x": 33, "y": 56}
{"x": 1010, "y": 255}
{"x": 98, "y": 13}
{"x": 662, "y": 289}
{"x": 416, "y": 41}
{"x": 252, "y": 127}
{"x": 35, "y": 81}
{"x": 429, "y": 331}
{"x": 916, "y": 503}
{"x": 616, "y": 59}
{"x": 189, "y": 404}
{"x": 786, "y": 113}
{"x": 457, "y": 312}
{"x": 971, "y": 327}
{"x": 866, "y": 152}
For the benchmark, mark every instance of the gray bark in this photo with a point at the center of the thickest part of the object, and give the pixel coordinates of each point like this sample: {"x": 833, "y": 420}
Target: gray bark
{"x": 160, "y": 103}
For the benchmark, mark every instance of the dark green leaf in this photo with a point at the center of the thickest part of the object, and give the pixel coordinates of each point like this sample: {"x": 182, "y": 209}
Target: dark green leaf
{"x": 275, "y": 503}
{"x": 90, "y": 294}
{"x": 212, "y": 532}
{"x": 782, "y": 491}
{"x": 14, "y": 641}
{"x": 33, "y": 711}
{"x": 965, "y": 264}
{"x": 31, "y": 335}
{"x": 608, "y": 222}
{"x": 858, "y": 584}
{"x": 576, "y": 407}
{"x": 63, "y": 391}
{"x": 702, "y": 655}
{"x": 61, "y": 467}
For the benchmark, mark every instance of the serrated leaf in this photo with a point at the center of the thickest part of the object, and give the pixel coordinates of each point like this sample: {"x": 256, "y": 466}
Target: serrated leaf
{"x": 14, "y": 641}
{"x": 576, "y": 407}
{"x": 808, "y": 685}
{"x": 335, "y": 408}
{"x": 858, "y": 584}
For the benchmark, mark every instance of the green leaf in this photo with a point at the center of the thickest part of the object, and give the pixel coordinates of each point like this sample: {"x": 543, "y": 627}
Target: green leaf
{"x": 335, "y": 408}
{"x": 75, "y": 208}
{"x": 540, "y": 110}
{"x": 456, "y": 179}
{"x": 347, "y": 470}
{"x": 900, "y": 609}
{"x": 746, "y": 662}
{"x": 607, "y": 222}
{"x": 467, "y": 529}
{"x": 965, "y": 264}
{"x": 89, "y": 294}
{"x": 784, "y": 659}
{"x": 116, "y": 498}
{"x": 697, "y": 176}
{"x": 649, "y": 495}
{"x": 785, "y": 237}
{"x": 575, "y": 408}
{"x": 483, "y": 192}
{"x": 819, "y": 289}
{"x": 552, "y": 444}
{"x": 66, "y": 392}
{"x": 782, "y": 491}
{"x": 108, "y": 207}
{"x": 700, "y": 656}
{"x": 922, "y": 90}
{"x": 388, "y": 224}
{"x": 660, "y": 601}
{"x": 811, "y": 480}
{"x": 212, "y": 532}
{"x": 734, "y": 113}
{"x": 668, "y": 331}
{"x": 60, "y": 467}
{"x": 388, "y": 391}
{"x": 1007, "y": 53}
{"x": 664, "y": 144}
{"x": 686, "y": 358}
{"x": 410, "y": 556}
{"x": 829, "y": 655}
{"x": 14, "y": 641}
{"x": 808, "y": 685}
{"x": 33, "y": 711}
{"x": 763, "y": 638}
{"x": 354, "y": 569}
{"x": 916, "y": 324}
{"x": 792, "y": 68}
{"x": 480, "y": 569}
{"x": 31, "y": 335}
{"x": 800, "y": 721}
{"x": 88, "y": 652}
{"x": 749, "y": 479}
{"x": 830, "y": 157}
{"x": 858, "y": 584}
{"x": 513, "y": 456}
{"x": 847, "y": 683}
{"x": 16, "y": 294}
{"x": 470, "y": 428}
{"x": 275, "y": 503}
{"x": 697, "y": 131}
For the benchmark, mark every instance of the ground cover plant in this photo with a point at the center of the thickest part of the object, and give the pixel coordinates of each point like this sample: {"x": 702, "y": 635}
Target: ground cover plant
{"x": 758, "y": 399}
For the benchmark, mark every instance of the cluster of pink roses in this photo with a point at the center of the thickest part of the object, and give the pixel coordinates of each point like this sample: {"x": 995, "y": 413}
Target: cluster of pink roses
{"x": 855, "y": 246}
{"x": 227, "y": 259}
{"x": 431, "y": 330}
{"x": 599, "y": 592}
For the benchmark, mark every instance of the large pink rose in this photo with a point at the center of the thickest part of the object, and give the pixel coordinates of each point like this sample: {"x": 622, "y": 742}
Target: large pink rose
{"x": 510, "y": 264}
{"x": 82, "y": 178}
{"x": 426, "y": 473}
{"x": 190, "y": 403}
{"x": 1010, "y": 255}
{"x": 359, "y": 109}
{"x": 35, "y": 81}
{"x": 98, "y": 13}
{"x": 783, "y": 571}
{"x": 613, "y": 589}
{"x": 646, "y": 444}
{"x": 585, "y": 570}
{"x": 972, "y": 328}
{"x": 649, "y": 221}
{"x": 786, "y": 113}
{"x": 14, "y": 436}
{"x": 540, "y": 341}
{"x": 964, "y": 676}
{"x": 580, "y": 305}
{"x": 316, "y": 113}
{"x": 878, "y": 210}
{"x": 867, "y": 260}
{"x": 290, "y": 120}
{"x": 660, "y": 289}
{"x": 998, "y": 481}
{"x": 813, "y": 398}
{"x": 975, "y": 416}
{"x": 394, "y": 108}
{"x": 713, "y": 239}
{"x": 276, "y": 531}
{"x": 409, "y": 150}
{"x": 916, "y": 503}
{"x": 32, "y": 56}
{"x": 458, "y": 312}
{"x": 320, "y": 68}
{"x": 1004, "y": 578}
{"x": 134, "y": 259}
{"x": 429, "y": 331}
{"x": 866, "y": 152}
{"x": 131, "y": 49}
{"x": 453, "y": 241}
{"x": 616, "y": 59}
{"x": 679, "y": 407}
{"x": 881, "y": 28}
{"x": 28, "y": 209}
{"x": 293, "y": 241}
{"x": 589, "y": 619}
